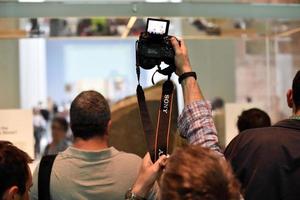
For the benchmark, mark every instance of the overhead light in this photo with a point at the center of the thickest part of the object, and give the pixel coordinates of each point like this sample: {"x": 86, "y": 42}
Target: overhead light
{"x": 163, "y": 1}
{"x": 31, "y": 1}
{"x": 129, "y": 26}
{"x": 289, "y": 32}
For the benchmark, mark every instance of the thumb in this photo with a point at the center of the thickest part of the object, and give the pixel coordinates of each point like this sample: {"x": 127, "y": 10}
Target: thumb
{"x": 175, "y": 45}
{"x": 147, "y": 160}
{"x": 160, "y": 163}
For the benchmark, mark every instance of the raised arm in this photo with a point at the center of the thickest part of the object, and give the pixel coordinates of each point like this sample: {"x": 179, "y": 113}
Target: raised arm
{"x": 190, "y": 87}
{"x": 195, "y": 122}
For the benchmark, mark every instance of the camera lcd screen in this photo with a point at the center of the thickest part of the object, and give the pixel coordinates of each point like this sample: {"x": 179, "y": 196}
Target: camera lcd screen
{"x": 155, "y": 26}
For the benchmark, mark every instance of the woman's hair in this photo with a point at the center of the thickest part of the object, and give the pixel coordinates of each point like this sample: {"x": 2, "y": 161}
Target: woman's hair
{"x": 196, "y": 173}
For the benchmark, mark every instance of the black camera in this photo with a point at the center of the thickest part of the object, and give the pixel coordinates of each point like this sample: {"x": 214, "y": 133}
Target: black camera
{"x": 154, "y": 46}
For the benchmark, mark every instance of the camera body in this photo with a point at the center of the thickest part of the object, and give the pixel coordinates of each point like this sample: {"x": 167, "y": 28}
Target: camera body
{"x": 154, "y": 46}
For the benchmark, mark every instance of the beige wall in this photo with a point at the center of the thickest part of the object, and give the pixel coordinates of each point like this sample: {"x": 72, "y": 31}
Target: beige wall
{"x": 9, "y": 74}
{"x": 214, "y": 62}
{"x": 9, "y": 67}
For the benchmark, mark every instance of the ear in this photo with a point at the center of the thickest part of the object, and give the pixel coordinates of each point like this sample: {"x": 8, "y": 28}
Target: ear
{"x": 108, "y": 126}
{"x": 289, "y": 98}
{"x": 11, "y": 193}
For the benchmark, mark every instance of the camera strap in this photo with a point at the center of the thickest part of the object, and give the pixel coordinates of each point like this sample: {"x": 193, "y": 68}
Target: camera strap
{"x": 158, "y": 139}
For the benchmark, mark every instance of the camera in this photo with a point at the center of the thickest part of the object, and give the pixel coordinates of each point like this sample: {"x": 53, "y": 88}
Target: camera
{"x": 154, "y": 46}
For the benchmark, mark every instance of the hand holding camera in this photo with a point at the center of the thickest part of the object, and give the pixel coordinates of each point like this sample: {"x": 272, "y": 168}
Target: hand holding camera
{"x": 182, "y": 61}
{"x": 155, "y": 46}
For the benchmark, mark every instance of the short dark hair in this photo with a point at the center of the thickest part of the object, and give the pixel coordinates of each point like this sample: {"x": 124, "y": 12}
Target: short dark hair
{"x": 217, "y": 103}
{"x": 296, "y": 90}
{"x": 62, "y": 122}
{"x": 197, "y": 173}
{"x": 89, "y": 115}
{"x": 13, "y": 168}
{"x": 253, "y": 118}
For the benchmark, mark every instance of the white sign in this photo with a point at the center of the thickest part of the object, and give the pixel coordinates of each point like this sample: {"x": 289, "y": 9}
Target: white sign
{"x": 16, "y": 126}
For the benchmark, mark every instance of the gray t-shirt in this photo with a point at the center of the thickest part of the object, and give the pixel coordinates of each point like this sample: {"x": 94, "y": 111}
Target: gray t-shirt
{"x": 101, "y": 175}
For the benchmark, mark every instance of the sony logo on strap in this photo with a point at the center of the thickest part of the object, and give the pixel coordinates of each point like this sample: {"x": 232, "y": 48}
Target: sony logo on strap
{"x": 166, "y": 103}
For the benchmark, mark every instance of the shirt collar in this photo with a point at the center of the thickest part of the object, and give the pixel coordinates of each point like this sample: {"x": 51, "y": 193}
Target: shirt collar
{"x": 91, "y": 155}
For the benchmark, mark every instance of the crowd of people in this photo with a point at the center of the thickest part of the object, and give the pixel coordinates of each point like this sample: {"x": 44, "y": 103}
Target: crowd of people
{"x": 262, "y": 162}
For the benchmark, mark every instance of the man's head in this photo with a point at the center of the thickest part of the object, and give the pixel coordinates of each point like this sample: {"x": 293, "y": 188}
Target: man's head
{"x": 196, "y": 173}
{"x": 253, "y": 118}
{"x": 89, "y": 115}
{"x": 293, "y": 95}
{"x": 15, "y": 175}
{"x": 59, "y": 128}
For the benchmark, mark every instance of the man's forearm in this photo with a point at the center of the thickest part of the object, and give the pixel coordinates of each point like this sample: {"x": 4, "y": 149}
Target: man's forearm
{"x": 191, "y": 91}
{"x": 196, "y": 123}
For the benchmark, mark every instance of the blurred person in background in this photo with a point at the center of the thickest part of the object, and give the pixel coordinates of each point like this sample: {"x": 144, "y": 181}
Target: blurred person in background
{"x": 39, "y": 127}
{"x": 253, "y": 118}
{"x": 218, "y": 112}
{"x": 15, "y": 175}
{"x": 59, "y": 130}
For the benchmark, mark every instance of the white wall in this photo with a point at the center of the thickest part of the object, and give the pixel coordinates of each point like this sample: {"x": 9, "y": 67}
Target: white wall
{"x": 33, "y": 79}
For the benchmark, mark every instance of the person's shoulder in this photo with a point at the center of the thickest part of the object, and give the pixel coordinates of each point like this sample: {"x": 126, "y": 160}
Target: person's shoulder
{"x": 129, "y": 157}
{"x": 255, "y": 131}
{"x": 251, "y": 137}
{"x": 260, "y": 135}
{"x": 271, "y": 132}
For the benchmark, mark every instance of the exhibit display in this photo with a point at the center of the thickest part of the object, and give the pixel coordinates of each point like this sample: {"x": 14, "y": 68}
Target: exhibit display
{"x": 16, "y": 127}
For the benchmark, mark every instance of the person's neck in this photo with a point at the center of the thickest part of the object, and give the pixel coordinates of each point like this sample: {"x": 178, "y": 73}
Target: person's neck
{"x": 95, "y": 143}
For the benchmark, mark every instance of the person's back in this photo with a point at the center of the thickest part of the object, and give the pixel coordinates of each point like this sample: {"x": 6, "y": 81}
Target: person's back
{"x": 266, "y": 160}
{"x": 106, "y": 174}
{"x": 89, "y": 169}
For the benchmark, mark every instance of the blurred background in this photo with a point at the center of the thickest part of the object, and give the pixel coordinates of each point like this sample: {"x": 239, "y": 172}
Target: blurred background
{"x": 244, "y": 52}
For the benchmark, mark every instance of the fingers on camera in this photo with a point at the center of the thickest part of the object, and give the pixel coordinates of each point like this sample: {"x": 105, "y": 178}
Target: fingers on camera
{"x": 175, "y": 45}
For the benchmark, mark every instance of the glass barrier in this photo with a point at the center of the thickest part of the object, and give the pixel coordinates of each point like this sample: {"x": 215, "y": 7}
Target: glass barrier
{"x": 238, "y": 60}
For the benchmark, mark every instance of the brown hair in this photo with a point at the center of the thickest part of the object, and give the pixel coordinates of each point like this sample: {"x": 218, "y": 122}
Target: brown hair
{"x": 253, "y": 118}
{"x": 13, "y": 167}
{"x": 89, "y": 115}
{"x": 62, "y": 123}
{"x": 196, "y": 173}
